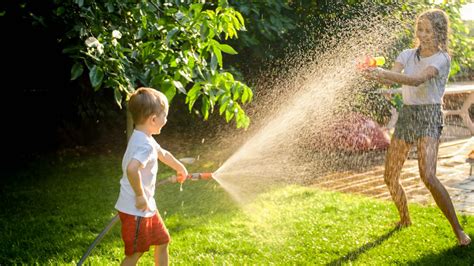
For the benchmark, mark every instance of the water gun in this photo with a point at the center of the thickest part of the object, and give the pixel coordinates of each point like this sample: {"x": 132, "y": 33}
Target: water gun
{"x": 369, "y": 61}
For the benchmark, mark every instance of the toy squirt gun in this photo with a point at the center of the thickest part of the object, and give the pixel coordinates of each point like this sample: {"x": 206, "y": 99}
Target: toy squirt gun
{"x": 369, "y": 62}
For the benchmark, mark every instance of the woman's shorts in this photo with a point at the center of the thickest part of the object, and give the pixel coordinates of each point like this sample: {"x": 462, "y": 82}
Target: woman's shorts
{"x": 417, "y": 121}
{"x": 139, "y": 233}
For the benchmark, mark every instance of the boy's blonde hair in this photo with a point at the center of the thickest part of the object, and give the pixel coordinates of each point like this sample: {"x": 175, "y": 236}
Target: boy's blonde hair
{"x": 440, "y": 23}
{"x": 145, "y": 102}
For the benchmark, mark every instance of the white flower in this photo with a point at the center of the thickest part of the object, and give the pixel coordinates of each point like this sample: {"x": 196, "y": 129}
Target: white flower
{"x": 116, "y": 34}
{"x": 100, "y": 48}
{"x": 92, "y": 42}
{"x": 114, "y": 42}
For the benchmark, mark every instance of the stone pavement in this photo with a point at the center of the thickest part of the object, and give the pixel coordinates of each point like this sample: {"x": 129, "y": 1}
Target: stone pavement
{"x": 452, "y": 171}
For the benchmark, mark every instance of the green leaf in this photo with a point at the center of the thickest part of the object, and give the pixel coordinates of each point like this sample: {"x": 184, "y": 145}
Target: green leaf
{"x": 241, "y": 19}
{"x": 243, "y": 121}
{"x": 196, "y": 8}
{"x": 96, "y": 76}
{"x": 212, "y": 99}
{"x": 227, "y": 49}
{"x": 213, "y": 62}
{"x": 185, "y": 75}
{"x": 224, "y": 101}
{"x": 218, "y": 53}
{"x": 110, "y": 7}
{"x": 129, "y": 89}
{"x": 168, "y": 89}
{"x": 177, "y": 84}
{"x": 80, "y": 3}
{"x": 144, "y": 22}
{"x": 236, "y": 88}
{"x": 194, "y": 91}
{"x": 204, "y": 32}
{"x": 205, "y": 107}
{"x": 76, "y": 71}
{"x": 170, "y": 35}
{"x": 118, "y": 97}
{"x": 60, "y": 11}
{"x": 198, "y": 70}
{"x": 246, "y": 95}
{"x": 193, "y": 95}
{"x": 454, "y": 68}
{"x": 229, "y": 114}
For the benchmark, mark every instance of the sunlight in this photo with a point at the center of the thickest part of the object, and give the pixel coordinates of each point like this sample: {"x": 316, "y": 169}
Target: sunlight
{"x": 467, "y": 12}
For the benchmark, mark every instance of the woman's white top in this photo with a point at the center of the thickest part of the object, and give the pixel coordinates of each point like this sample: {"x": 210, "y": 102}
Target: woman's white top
{"x": 432, "y": 90}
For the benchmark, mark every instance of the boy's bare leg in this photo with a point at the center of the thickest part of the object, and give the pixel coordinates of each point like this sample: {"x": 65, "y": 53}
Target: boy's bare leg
{"x": 131, "y": 260}
{"x": 428, "y": 154}
{"x": 394, "y": 160}
{"x": 161, "y": 255}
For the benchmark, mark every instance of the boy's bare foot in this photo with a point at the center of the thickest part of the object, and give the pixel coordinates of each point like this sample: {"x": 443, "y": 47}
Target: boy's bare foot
{"x": 464, "y": 240}
{"x": 402, "y": 224}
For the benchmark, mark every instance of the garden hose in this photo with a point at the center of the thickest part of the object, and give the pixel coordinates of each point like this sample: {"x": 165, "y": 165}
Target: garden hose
{"x": 113, "y": 221}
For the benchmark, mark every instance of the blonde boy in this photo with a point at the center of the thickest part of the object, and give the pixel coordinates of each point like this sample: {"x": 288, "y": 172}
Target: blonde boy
{"x": 142, "y": 225}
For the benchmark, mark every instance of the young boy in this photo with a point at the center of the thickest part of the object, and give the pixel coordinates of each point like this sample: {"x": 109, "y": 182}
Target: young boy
{"x": 142, "y": 225}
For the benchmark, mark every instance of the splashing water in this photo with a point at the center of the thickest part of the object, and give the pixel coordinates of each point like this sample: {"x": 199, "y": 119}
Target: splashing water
{"x": 319, "y": 87}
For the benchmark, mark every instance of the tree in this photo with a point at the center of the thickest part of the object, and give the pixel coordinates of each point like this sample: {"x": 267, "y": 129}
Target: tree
{"x": 175, "y": 47}
{"x": 293, "y": 21}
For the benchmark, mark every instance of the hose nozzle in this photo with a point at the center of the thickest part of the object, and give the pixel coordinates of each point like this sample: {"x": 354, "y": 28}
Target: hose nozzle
{"x": 193, "y": 176}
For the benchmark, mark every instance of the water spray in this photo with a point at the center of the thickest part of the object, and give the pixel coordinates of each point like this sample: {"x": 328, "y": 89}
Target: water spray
{"x": 172, "y": 179}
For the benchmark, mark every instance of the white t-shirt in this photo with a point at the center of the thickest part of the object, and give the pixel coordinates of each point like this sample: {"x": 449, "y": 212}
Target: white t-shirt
{"x": 432, "y": 90}
{"x": 144, "y": 149}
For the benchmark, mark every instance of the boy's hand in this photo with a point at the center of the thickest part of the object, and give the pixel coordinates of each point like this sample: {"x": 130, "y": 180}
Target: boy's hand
{"x": 182, "y": 175}
{"x": 141, "y": 203}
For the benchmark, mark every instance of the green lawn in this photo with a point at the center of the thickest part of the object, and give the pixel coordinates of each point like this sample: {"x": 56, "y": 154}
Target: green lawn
{"x": 53, "y": 209}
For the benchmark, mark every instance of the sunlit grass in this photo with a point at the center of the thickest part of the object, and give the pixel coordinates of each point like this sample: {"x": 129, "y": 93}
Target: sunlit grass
{"x": 53, "y": 210}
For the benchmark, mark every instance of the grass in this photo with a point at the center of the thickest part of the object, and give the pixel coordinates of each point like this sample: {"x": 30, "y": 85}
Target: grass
{"x": 52, "y": 210}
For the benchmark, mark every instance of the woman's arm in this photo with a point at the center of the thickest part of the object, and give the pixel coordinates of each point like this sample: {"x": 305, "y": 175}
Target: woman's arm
{"x": 404, "y": 79}
{"x": 397, "y": 68}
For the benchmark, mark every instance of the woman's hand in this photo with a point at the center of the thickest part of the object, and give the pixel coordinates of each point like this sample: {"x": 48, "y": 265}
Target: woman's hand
{"x": 373, "y": 73}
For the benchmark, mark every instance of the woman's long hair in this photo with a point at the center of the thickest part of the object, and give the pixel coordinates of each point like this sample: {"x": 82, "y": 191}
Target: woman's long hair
{"x": 440, "y": 23}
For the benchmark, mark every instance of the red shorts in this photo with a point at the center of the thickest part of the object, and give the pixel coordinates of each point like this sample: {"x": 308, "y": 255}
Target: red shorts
{"x": 139, "y": 233}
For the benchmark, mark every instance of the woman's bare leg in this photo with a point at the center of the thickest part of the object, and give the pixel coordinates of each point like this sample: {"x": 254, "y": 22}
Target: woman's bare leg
{"x": 427, "y": 158}
{"x": 394, "y": 160}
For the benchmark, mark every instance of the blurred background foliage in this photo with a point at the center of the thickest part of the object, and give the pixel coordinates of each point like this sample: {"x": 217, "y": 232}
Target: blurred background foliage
{"x": 63, "y": 79}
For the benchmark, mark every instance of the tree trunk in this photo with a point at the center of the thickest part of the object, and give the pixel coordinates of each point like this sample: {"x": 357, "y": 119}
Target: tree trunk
{"x": 129, "y": 125}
